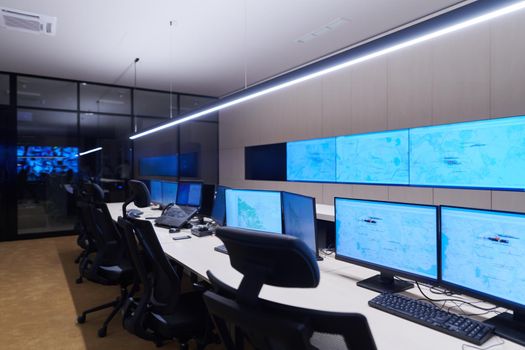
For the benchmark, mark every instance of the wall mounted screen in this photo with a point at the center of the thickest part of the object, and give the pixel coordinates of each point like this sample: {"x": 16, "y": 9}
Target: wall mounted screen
{"x": 254, "y": 210}
{"x": 393, "y": 236}
{"x": 311, "y": 160}
{"x": 380, "y": 157}
{"x": 34, "y": 162}
{"x": 159, "y": 166}
{"x": 486, "y": 154}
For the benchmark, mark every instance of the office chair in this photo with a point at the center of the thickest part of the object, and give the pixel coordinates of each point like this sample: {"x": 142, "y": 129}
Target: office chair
{"x": 162, "y": 312}
{"x": 82, "y": 198}
{"x": 110, "y": 265}
{"x": 284, "y": 261}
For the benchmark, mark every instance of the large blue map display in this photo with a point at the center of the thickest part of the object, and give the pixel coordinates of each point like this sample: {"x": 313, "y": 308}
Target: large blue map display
{"x": 396, "y": 236}
{"x": 254, "y": 210}
{"x": 311, "y": 160}
{"x": 380, "y": 157}
{"x": 487, "y": 154}
{"x": 484, "y": 251}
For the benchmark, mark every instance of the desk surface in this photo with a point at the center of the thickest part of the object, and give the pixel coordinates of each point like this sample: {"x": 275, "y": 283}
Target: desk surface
{"x": 337, "y": 291}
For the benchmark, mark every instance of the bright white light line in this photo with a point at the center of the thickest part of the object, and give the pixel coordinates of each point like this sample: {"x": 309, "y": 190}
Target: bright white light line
{"x": 454, "y": 28}
{"x": 90, "y": 151}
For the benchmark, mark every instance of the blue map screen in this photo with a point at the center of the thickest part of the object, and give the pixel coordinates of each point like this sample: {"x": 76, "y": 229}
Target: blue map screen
{"x": 483, "y": 251}
{"x": 311, "y": 160}
{"x": 189, "y": 194}
{"x": 299, "y": 218}
{"x": 254, "y": 210}
{"x": 488, "y": 153}
{"x": 169, "y": 192}
{"x": 155, "y": 189}
{"x": 397, "y": 236}
{"x": 380, "y": 157}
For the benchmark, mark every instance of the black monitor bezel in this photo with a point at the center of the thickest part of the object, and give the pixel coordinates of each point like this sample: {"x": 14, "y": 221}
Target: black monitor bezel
{"x": 387, "y": 269}
{"x": 214, "y": 198}
{"x": 472, "y": 292}
{"x": 314, "y": 216}
{"x": 256, "y": 190}
{"x": 189, "y": 182}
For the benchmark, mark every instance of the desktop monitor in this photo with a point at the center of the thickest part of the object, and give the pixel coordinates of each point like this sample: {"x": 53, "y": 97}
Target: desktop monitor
{"x": 155, "y": 190}
{"x": 169, "y": 192}
{"x": 393, "y": 238}
{"x": 482, "y": 254}
{"x": 218, "y": 212}
{"x": 189, "y": 193}
{"x": 299, "y": 219}
{"x": 254, "y": 210}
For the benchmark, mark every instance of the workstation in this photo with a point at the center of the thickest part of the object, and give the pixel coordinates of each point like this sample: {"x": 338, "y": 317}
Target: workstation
{"x": 383, "y": 149}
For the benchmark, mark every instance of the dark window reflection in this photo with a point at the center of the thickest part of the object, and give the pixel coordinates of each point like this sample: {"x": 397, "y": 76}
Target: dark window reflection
{"x": 104, "y": 99}
{"x": 47, "y": 93}
{"x": 4, "y": 89}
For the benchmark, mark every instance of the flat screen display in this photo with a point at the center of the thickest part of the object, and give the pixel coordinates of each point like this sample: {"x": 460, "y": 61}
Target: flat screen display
{"x": 398, "y": 237}
{"x": 35, "y": 161}
{"x": 190, "y": 193}
{"x": 486, "y": 154}
{"x": 218, "y": 212}
{"x": 155, "y": 190}
{"x": 380, "y": 157}
{"x": 159, "y": 166}
{"x": 483, "y": 251}
{"x": 299, "y": 218}
{"x": 169, "y": 192}
{"x": 311, "y": 160}
{"x": 254, "y": 210}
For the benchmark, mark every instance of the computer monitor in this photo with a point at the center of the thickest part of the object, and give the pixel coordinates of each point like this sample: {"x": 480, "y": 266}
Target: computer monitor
{"x": 169, "y": 192}
{"x": 254, "y": 210}
{"x": 393, "y": 238}
{"x": 299, "y": 219}
{"x": 311, "y": 160}
{"x": 218, "y": 212}
{"x": 482, "y": 255}
{"x": 155, "y": 190}
{"x": 189, "y": 193}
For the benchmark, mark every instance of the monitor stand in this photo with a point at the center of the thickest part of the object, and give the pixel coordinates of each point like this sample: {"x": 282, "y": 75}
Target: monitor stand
{"x": 509, "y": 326}
{"x": 385, "y": 283}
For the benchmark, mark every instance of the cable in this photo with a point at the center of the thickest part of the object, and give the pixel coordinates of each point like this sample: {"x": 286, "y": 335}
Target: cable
{"x": 467, "y": 346}
{"x": 470, "y": 303}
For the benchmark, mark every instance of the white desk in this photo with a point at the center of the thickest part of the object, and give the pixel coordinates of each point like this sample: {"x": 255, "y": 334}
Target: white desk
{"x": 325, "y": 212}
{"x": 337, "y": 291}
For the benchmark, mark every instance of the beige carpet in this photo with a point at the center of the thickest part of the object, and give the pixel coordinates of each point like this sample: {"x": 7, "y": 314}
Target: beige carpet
{"x": 39, "y": 301}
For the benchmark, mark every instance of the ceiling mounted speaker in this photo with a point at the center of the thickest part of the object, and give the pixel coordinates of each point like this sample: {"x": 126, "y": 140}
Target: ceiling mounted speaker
{"x": 27, "y": 22}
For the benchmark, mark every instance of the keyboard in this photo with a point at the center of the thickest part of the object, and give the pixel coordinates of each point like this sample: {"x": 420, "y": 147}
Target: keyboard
{"x": 221, "y": 249}
{"x": 431, "y": 316}
{"x": 134, "y": 212}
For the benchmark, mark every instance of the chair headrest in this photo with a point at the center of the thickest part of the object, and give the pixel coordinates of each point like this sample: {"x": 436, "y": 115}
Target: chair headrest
{"x": 139, "y": 193}
{"x": 278, "y": 260}
{"x": 94, "y": 191}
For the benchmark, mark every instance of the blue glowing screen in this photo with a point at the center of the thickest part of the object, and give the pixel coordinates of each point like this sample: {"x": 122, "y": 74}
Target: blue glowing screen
{"x": 169, "y": 192}
{"x": 159, "y": 166}
{"x": 299, "y": 218}
{"x": 254, "y": 210}
{"x": 218, "y": 212}
{"x": 396, "y": 236}
{"x": 155, "y": 190}
{"x": 311, "y": 160}
{"x": 190, "y": 193}
{"x": 35, "y": 161}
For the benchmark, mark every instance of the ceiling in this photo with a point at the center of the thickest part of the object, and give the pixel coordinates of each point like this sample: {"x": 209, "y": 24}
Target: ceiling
{"x": 213, "y": 48}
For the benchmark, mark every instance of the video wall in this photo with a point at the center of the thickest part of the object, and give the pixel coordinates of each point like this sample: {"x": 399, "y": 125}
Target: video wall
{"x": 34, "y": 161}
{"x": 480, "y": 154}
{"x": 168, "y": 165}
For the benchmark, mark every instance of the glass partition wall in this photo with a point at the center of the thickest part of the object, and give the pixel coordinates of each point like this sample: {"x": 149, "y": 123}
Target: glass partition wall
{"x": 49, "y": 123}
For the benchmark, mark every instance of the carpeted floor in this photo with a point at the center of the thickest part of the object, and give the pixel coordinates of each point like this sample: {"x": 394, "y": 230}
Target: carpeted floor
{"x": 39, "y": 301}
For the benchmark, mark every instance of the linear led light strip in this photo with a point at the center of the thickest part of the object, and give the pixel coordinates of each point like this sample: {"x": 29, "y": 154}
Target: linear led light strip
{"x": 453, "y": 28}
{"x": 90, "y": 151}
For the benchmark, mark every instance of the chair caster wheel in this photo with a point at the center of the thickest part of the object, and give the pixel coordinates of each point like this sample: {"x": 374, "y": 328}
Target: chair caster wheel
{"x": 102, "y": 332}
{"x": 81, "y": 319}
{"x": 78, "y": 280}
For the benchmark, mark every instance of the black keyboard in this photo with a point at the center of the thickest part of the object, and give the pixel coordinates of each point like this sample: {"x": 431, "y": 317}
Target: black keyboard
{"x": 429, "y": 315}
{"x": 221, "y": 249}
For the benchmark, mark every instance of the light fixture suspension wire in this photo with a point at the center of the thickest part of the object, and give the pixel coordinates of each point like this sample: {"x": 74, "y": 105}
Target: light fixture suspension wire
{"x": 245, "y": 43}
{"x": 171, "y": 70}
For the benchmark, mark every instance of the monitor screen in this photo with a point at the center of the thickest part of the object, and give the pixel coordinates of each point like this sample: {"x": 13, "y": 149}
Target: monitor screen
{"x": 311, "y": 160}
{"x": 218, "y": 212}
{"x": 483, "y": 252}
{"x": 159, "y": 166}
{"x": 486, "y": 154}
{"x": 380, "y": 157}
{"x": 254, "y": 210}
{"x": 299, "y": 218}
{"x": 34, "y": 162}
{"x": 398, "y": 237}
{"x": 169, "y": 192}
{"x": 190, "y": 193}
{"x": 155, "y": 190}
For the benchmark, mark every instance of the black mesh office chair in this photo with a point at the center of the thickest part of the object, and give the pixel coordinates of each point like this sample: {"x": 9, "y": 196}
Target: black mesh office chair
{"x": 162, "y": 312}
{"x": 109, "y": 265}
{"x": 281, "y": 261}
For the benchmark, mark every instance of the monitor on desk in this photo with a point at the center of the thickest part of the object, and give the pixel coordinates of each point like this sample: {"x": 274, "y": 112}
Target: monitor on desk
{"x": 482, "y": 255}
{"x": 155, "y": 190}
{"x": 189, "y": 193}
{"x": 218, "y": 212}
{"x": 254, "y": 210}
{"x": 169, "y": 192}
{"x": 394, "y": 238}
{"x": 299, "y": 219}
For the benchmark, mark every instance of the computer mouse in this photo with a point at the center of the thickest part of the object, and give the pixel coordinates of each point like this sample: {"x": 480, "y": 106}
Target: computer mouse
{"x": 174, "y": 230}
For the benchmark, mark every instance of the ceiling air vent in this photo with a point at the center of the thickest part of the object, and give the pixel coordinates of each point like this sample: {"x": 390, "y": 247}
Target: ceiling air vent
{"x": 27, "y": 21}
